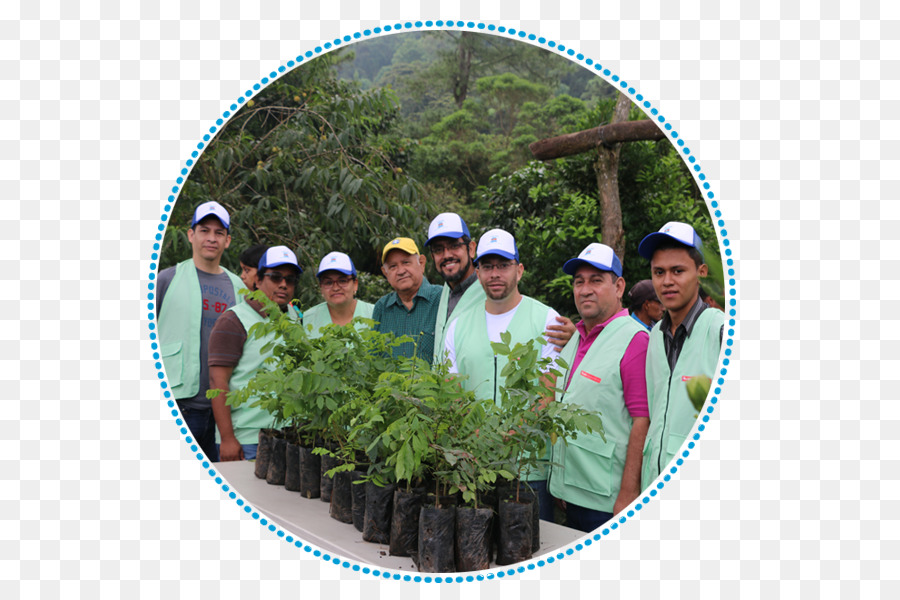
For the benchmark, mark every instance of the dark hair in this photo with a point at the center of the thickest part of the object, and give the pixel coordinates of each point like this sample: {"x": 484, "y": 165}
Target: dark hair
{"x": 695, "y": 254}
{"x": 251, "y": 255}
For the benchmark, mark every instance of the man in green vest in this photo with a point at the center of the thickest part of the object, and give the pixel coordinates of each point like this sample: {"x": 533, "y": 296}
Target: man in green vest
{"x": 596, "y": 478}
{"x": 683, "y": 345}
{"x": 453, "y": 251}
{"x": 235, "y": 357}
{"x": 468, "y": 337}
{"x": 190, "y": 297}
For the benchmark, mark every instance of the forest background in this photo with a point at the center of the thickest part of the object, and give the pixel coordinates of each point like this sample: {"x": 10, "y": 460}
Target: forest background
{"x": 370, "y": 142}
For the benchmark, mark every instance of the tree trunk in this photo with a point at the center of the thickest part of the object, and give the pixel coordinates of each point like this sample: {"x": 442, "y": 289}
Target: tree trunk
{"x": 464, "y": 65}
{"x": 607, "y": 168}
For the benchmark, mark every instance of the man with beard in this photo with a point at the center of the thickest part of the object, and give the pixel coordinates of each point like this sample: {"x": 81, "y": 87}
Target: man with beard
{"x": 453, "y": 251}
{"x": 190, "y": 298}
{"x": 469, "y": 336}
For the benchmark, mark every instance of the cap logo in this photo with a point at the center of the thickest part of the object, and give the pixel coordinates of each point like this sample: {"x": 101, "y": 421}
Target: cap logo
{"x": 493, "y": 240}
{"x": 441, "y": 224}
{"x": 666, "y": 229}
{"x": 588, "y": 251}
{"x": 333, "y": 259}
{"x": 397, "y": 241}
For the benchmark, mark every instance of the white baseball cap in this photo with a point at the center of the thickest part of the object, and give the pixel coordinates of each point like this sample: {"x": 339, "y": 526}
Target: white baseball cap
{"x": 211, "y": 208}
{"x": 499, "y": 242}
{"x": 673, "y": 230}
{"x": 277, "y": 256}
{"x": 599, "y": 256}
{"x": 448, "y": 225}
{"x": 337, "y": 261}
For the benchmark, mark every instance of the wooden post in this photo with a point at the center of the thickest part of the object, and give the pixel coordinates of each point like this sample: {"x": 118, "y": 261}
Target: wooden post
{"x": 607, "y": 140}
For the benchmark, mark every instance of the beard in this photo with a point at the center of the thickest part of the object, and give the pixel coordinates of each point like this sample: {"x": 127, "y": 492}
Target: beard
{"x": 460, "y": 273}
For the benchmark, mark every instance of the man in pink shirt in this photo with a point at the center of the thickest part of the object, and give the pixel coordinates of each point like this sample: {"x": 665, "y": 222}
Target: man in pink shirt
{"x": 597, "y": 478}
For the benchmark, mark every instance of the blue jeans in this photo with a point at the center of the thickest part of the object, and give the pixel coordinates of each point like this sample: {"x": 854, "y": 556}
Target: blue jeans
{"x": 202, "y": 425}
{"x": 249, "y": 450}
{"x": 585, "y": 519}
{"x": 544, "y": 497}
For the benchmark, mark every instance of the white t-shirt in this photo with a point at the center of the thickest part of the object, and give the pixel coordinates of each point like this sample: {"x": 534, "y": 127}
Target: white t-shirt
{"x": 497, "y": 324}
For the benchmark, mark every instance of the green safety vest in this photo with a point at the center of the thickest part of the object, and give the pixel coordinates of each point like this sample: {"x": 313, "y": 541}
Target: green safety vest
{"x": 672, "y": 416}
{"x": 179, "y": 328}
{"x": 476, "y": 358}
{"x": 588, "y": 471}
{"x": 247, "y": 420}
{"x": 474, "y": 296}
{"x": 318, "y": 316}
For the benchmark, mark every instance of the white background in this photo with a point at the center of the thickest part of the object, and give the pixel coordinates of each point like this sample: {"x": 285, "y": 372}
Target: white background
{"x": 790, "y": 109}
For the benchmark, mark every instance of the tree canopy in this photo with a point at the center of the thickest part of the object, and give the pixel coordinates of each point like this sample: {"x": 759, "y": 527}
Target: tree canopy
{"x": 370, "y": 142}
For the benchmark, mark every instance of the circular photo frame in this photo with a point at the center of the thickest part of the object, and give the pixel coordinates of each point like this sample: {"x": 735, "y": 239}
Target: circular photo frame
{"x": 318, "y": 156}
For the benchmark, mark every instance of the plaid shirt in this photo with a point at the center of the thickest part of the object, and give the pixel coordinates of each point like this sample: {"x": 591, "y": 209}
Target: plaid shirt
{"x": 392, "y": 316}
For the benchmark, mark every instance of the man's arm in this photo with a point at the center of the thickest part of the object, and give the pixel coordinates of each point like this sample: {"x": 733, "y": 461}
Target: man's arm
{"x": 632, "y": 369}
{"x": 631, "y": 475}
{"x": 559, "y": 335}
{"x": 230, "y": 449}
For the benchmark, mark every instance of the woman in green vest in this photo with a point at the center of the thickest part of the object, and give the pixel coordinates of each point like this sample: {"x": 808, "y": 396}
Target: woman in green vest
{"x": 235, "y": 357}
{"x": 338, "y": 284}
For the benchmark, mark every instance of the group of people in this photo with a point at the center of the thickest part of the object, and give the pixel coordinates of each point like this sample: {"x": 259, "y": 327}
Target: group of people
{"x": 631, "y": 367}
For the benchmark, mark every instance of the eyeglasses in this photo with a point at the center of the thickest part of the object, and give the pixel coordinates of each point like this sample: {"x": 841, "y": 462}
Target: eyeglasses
{"x": 340, "y": 282}
{"x": 277, "y": 278}
{"x": 502, "y": 267}
{"x": 438, "y": 250}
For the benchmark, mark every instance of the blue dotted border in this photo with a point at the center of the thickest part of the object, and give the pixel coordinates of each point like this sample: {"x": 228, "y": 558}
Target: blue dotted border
{"x": 575, "y": 56}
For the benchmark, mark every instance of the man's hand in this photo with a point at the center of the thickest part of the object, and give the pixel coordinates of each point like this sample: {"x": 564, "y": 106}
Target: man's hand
{"x": 560, "y": 504}
{"x": 625, "y": 498}
{"x": 559, "y": 335}
{"x": 230, "y": 449}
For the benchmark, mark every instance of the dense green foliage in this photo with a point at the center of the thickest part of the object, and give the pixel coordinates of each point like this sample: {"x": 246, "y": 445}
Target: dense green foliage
{"x": 312, "y": 163}
{"x": 370, "y": 142}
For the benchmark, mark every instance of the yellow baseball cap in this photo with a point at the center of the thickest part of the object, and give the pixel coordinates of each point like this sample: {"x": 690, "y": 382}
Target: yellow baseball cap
{"x": 405, "y": 244}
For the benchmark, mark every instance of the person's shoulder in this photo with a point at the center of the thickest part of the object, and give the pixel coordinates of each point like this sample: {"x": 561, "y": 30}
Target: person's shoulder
{"x": 364, "y": 308}
{"x": 166, "y": 275}
{"x": 315, "y": 310}
{"x": 430, "y": 290}
{"x": 538, "y": 305}
{"x": 228, "y": 321}
{"x": 382, "y": 302}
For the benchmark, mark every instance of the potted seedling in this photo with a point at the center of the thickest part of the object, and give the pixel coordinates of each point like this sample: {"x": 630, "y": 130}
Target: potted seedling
{"x": 530, "y": 422}
{"x": 401, "y": 448}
